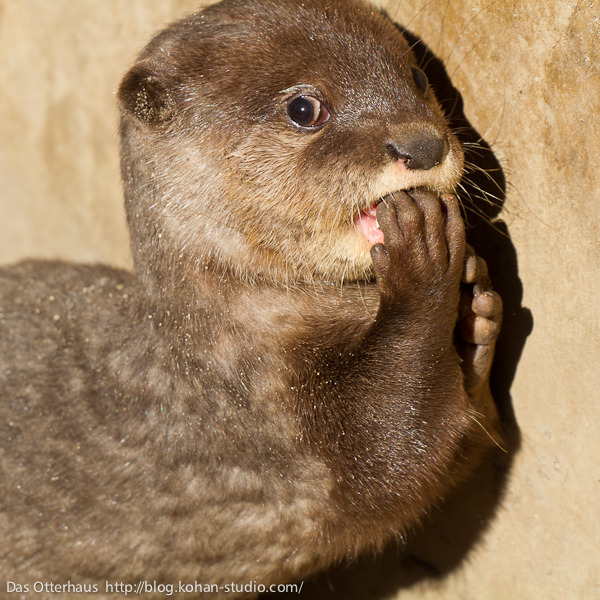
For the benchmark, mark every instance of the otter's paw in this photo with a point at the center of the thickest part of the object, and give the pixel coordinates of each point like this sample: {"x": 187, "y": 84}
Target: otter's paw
{"x": 480, "y": 317}
{"x": 421, "y": 260}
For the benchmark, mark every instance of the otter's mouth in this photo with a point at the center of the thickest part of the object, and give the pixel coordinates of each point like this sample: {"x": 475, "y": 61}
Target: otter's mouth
{"x": 367, "y": 227}
{"x": 366, "y": 224}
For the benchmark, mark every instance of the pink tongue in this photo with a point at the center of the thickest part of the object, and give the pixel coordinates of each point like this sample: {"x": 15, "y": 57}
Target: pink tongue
{"x": 366, "y": 225}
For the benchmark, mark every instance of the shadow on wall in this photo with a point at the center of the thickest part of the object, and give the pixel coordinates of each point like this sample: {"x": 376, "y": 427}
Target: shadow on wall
{"x": 443, "y": 541}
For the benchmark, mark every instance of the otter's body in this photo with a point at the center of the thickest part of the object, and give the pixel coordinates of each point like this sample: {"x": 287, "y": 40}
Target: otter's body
{"x": 274, "y": 388}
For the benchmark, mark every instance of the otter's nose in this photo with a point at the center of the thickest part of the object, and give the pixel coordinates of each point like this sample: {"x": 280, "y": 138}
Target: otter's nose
{"x": 418, "y": 150}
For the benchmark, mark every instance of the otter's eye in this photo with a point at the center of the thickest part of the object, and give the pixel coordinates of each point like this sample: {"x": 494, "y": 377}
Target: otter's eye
{"x": 420, "y": 79}
{"x": 307, "y": 111}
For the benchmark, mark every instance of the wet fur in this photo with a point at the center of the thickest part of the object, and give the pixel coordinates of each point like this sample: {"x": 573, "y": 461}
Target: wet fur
{"x": 261, "y": 398}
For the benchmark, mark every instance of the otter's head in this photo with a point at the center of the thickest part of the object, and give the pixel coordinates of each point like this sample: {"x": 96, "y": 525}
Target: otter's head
{"x": 259, "y": 135}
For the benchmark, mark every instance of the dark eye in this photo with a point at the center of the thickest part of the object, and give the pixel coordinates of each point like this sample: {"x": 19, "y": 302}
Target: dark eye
{"x": 307, "y": 111}
{"x": 420, "y": 79}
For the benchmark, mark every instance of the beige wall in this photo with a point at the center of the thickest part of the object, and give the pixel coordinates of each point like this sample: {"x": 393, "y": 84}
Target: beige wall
{"x": 529, "y": 74}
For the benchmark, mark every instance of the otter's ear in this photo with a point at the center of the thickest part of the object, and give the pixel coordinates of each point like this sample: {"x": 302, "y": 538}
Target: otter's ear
{"x": 146, "y": 94}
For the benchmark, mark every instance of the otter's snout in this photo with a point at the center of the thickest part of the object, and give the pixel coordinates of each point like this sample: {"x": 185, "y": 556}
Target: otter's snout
{"x": 418, "y": 150}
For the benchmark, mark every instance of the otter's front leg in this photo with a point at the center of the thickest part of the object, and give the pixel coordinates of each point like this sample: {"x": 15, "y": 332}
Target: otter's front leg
{"x": 389, "y": 410}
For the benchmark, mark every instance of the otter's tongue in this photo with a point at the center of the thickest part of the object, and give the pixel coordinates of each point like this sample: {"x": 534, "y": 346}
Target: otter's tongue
{"x": 366, "y": 225}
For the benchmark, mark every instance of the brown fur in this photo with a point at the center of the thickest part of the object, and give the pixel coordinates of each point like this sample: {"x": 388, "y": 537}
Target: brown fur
{"x": 251, "y": 404}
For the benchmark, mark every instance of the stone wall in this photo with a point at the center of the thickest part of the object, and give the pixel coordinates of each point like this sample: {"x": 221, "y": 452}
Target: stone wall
{"x": 527, "y": 526}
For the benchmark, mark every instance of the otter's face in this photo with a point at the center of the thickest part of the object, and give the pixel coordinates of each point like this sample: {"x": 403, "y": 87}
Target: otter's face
{"x": 285, "y": 123}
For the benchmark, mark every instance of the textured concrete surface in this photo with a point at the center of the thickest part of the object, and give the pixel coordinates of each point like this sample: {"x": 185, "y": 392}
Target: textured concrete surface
{"x": 528, "y": 525}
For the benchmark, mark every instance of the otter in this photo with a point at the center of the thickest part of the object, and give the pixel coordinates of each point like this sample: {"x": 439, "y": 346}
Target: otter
{"x": 298, "y": 367}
